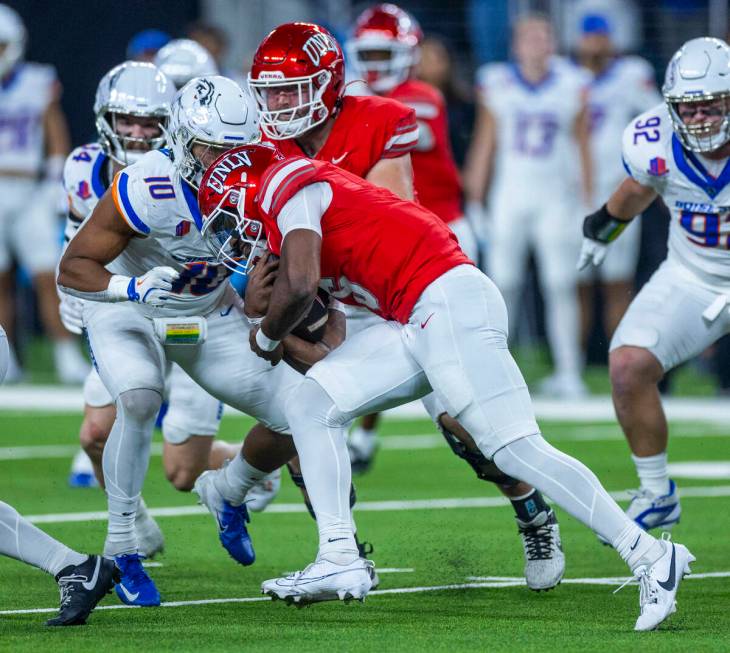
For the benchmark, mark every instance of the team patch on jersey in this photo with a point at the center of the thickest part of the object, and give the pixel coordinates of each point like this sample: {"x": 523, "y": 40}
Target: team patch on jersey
{"x": 658, "y": 167}
{"x": 182, "y": 228}
{"x": 84, "y": 192}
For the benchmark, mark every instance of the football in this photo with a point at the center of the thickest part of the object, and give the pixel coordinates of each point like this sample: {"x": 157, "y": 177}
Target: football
{"x": 312, "y": 325}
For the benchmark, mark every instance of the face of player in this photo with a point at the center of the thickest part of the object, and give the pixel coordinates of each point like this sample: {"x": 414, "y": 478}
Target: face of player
{"x": 708, "y": 112}
{"x": 595, "y": 51}
{"x": 137, "y": 131}
{"x": 533, "y": 42}
{"x": 206, "y": 153}
{"x": 288, "y": 96}
{"x": 435, "y": 64}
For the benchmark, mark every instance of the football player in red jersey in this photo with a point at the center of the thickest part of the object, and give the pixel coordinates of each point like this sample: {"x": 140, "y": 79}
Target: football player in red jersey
{"x": 297, "y": 79}
{"x": 444, "y": 329}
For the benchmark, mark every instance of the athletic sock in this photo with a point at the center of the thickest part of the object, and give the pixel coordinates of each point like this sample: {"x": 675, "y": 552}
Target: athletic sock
{"x": 528, "y": 506}
{"x": 236, "y": 479}
{"x": 637, "y": 547}
{"x": 653, "y": 473}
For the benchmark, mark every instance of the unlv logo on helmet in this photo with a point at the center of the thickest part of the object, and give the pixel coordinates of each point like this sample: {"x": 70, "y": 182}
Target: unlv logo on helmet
{"x": 317, "y": 45}
{"x": 218, "y": 172}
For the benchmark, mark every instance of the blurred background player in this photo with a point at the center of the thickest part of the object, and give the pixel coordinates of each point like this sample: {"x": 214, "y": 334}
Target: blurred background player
{"x": 182, "y": 59}
{"x": 297, "y": 80}
{"x": 680, "y": 151}
{"x": 82, "y": 580}
{"x": 34, "y": 142}
{"x": 531, "y": 135}
{"x": 383, "y": 51}
{"x": 144, "y": 45}
{"x": 622, "y": 87}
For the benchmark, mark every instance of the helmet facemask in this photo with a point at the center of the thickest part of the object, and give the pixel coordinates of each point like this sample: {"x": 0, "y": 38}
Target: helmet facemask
{"x": 233, "y": 239}
{"x": 192, "y": 166}
{"x": 708, "y": 135}
{"x": 383, "y": 63}
{"x": 126, "y": 149}
{"x": 296, "y": 119}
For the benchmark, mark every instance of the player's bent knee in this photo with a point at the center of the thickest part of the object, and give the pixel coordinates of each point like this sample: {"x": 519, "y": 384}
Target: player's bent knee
{"x": 182, "y": 477}
{"x": 92, "y": 435}
{"x": 310, "y": 401}
{"x": 141, "y": 405}
{"x": 633, "y": 367}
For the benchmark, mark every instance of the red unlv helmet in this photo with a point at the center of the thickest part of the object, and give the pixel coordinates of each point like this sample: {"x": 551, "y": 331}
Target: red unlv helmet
{"x": 229, "y": 204}
{"x": 384, "y": 46}
{"x": 297, "y": 78}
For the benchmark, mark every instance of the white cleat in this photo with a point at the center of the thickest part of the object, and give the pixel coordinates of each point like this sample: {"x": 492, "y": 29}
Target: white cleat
{"x": 264, "y": 492}
{"x": 563, "y": 386}
{"x": 658, "y": 585}
{"x": 150, "y": 540}
{"x": 544, "y": 558}
{"x": 362, "y": 446}
{"x": 655, "y": 511}
{"x": 323, "y": 581}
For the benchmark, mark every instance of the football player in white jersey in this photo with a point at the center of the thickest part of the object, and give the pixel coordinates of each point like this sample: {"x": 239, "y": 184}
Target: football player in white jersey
{"x": 679, "y": 151}
{"x": 34, "y": 142}
{"x": 157, "y": 295}
{"x": 532, "y": 123}
{"x": 131, "y": 108}
{"x": 621, "y": 88}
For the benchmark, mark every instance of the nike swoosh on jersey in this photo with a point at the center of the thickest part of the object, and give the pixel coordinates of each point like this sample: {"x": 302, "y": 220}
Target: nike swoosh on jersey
{"x": 125, "y": 591}
{"x": 89, "y": 585}
{"x": 671, "y": 580}
{"x": 339, "y": 159}
{"x": 423, "y": 324}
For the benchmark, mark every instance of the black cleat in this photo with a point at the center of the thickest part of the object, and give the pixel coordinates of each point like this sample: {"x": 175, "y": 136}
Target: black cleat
{"x": 82, "y": 587}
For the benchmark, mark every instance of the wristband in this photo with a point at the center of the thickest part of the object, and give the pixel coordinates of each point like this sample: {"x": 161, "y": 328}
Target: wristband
{"x": 264, "y": 342}
{"x": 602, "y": 226}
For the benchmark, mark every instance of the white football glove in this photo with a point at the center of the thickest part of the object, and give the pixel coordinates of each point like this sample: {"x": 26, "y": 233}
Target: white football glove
{"x": 591, "y": 251}
{"x": 153, "y": 288}
{"x": 70, "y": 310}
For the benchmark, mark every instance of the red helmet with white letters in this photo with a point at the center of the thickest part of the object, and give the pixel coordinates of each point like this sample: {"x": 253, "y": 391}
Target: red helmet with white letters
{"x": 228, "y": 201}
{"x": 297, "y": 78}
{"x": 384, "y": 46}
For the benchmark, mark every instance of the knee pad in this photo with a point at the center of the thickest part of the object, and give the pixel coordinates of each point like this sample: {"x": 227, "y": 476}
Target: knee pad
{"x": 485, "y": 469}
{"x": 141, "y": 405}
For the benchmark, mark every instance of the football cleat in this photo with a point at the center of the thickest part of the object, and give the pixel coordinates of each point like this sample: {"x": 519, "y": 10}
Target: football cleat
{"x": 82, "y": 471}
{"x": 150, "y": 539}
{"x": 651, "y": 511}
{"x": 362, "y": 446}
{"x": 264, "y": 492}
{"x": 135, "y": 587}
{"x": 323, "y": 581}
{"x": 563, "y": 386}
{"x": 544, "y": 558}
{"x": 659, "y": 582}
{"x": 82, "y": 587}
{"x": 364, "y": 549}
{"x": 231, "y": 520}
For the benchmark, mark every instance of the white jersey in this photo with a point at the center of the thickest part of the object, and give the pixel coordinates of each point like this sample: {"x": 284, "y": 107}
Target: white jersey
{"x": 698, "y": 200}
{"x": 86, "y": 177}
{"x": 534, "y": 124}
{"x": 621, "y": 92}
{"x": 162, "y": 209}
{"x": 24, "y": 97}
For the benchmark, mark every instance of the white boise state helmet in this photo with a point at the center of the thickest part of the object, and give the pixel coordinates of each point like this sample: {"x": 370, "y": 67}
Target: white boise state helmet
{"x": 699, "y": 71}
{"x": 214, "y": 112}
{"x": 12, "y": 34}
{"x": 137, "y": 89}
{"x": 183, "y": 59}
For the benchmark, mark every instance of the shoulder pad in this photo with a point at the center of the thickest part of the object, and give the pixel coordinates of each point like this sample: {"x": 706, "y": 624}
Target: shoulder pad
{"x": 646, "y": 145}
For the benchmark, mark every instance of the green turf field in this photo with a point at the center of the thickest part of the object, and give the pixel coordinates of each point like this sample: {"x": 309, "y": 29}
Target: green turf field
{"x": 432, "y": 547}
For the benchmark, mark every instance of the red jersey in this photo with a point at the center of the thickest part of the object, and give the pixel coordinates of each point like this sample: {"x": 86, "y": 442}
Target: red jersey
{"x": 435, "y": 175}
{"x": 365, "y": 130}
{"x": 378, "y": 250}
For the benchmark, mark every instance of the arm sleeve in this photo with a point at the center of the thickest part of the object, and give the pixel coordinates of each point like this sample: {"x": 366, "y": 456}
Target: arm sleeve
{"x": 402, "y": 136}
{"x": 304, "y": 210}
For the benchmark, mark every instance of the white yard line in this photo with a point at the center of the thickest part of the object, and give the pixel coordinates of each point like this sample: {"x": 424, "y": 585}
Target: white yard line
{"x": 710, "y": 491}
{"x": 567, "y": 433}
{"x": 487, "y": 582}
{"x": 45, "y": 399}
